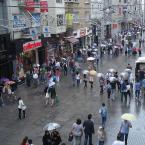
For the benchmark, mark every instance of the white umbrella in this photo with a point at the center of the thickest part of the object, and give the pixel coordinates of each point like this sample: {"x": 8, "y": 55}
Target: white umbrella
{"x": 51, "y": 126}
{"x": 128, "y": 116}
{"x": 85, "y": 71}
{"x": 37, "y": 65}
{"x": 128, "y": 70}
{"x": 115, "y": 46}
{"x": 51, "y": 84}
{"x": 94, "y": 44}
{"x": 90, "y": 58}
{"x": 111, "y": 70}
{"x": 89, "y": 49}
{"x": 124, "y": 75}
{"x": 103, "y": 45}
{"x": 95, "y": 49}
{"x": 99, "y": 75}
{"x": 111, "y": 79}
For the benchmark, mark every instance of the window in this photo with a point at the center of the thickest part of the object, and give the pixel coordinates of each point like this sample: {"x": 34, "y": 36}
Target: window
{"x": 87, "y": 16}
{"x": 58, "y": 1}
{"x": 75, "y": 17}
{"x": 60, "y": 20}
{"x": 125, "y": 1}
{"x": 119, "y": 1}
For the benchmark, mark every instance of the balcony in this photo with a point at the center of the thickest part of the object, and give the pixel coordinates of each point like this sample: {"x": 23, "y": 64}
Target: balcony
{"x": 71, "y": 1}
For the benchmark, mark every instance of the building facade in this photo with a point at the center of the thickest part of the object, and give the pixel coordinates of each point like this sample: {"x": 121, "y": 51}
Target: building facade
{"x": 6, "y": 52}
{"x": 78, "y": 21}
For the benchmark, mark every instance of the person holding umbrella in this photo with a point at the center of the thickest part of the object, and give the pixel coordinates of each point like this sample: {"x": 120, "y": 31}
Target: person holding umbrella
{"x": 124, "y": 130}
{"x": 47, "y": 138}
{"x": 55, "y": 137}
{"x": 85, "y": 80}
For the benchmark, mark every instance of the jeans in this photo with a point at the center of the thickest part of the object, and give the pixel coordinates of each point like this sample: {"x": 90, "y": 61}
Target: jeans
{"x": 77, "y": 140}
{"x": 86, "y": 139}
{"x": 101, "y": 142}
{"x": 124, "y": 136}
{"x": 104, "y": 121}
{"x": 137, "y": 93}
{"x": 78, "y": 83}
{"x": 20, "y": 113}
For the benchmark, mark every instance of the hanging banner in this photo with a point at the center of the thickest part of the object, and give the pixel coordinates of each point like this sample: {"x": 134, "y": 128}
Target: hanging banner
{"x": 34, "y": 33}
{"x": 44, "y": 19}
{"x": 43, "y": 6}
{"x": 29, "y": 5}
{"x": 19, "y": 21}
{"x": 36, "y": 19}
{"x": 46, "y": 31}
{"x": 69, "y": 19}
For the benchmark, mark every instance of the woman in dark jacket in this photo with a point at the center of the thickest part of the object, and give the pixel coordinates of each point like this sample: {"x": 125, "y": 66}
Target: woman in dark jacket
{"x": 47, "y": 138}
{"x": 56, "y": 139}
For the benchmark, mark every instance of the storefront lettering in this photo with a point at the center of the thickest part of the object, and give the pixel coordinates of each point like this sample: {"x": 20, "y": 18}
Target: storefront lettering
{"x": 31, "y": 45}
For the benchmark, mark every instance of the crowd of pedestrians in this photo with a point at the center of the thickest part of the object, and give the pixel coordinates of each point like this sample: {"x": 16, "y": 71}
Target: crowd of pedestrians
{"x": 72, "y": 66}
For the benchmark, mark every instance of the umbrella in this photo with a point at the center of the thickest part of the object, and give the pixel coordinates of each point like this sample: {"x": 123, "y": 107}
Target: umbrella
{"x": 95, "y": 49}
{"x": 103, "y": 45}
{"x": 51, "y": 83}
{"x": 124, "y": 75}
{"x": 90, "y": 58}
{"x": 51, "y": 126}
{"x": 111, "y": 79}
{"x": 64, "y": 58}
{"x": 85, "y": 71}
{"x": 99, "y": 75}
{"x": 115, "y": 46}
{"x": 93, "y": 72}
{"x": 128, "y": 70}
{"x": 111, "y": 70}
{"x": 4, "y": 79}
{"x": 94, "y": 44}
{"x": 128, "y": 116}
{"x": 10, "y": 82}
{"x": 37, "y": 65}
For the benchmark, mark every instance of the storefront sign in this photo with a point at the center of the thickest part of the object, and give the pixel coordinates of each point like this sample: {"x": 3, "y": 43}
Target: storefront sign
{"x": 36, "y": 19}
{"x": 114, "y": 26}
{"x": 82, "y": 32}
{"x": 44, "y": 19}
{"x": 19, "y": 21}
{"x": 46, "y": 31}
{"x": 29, "y": 5}
{"x": 43, "y": 6}
{"x": 32, "y": 45}
{"x": 34, "y": 33}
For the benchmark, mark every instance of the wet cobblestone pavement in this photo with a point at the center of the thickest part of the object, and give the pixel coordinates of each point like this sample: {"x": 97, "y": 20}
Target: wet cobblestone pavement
{"x": 74, "y": 103}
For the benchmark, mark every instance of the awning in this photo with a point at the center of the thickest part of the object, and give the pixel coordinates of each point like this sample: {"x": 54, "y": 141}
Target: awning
{"x": 72, "y": 40}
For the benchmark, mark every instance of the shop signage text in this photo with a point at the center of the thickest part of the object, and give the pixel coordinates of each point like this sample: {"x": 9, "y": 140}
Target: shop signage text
{"x": 32, "y": 45}
{"x": 29, "y": 5}
{"x": 43, "y": 6}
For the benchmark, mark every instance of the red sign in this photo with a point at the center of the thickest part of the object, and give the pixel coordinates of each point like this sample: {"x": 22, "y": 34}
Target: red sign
{"x": 114, "y": 26}
{"x": 32, "y": 45}
{"x": 82, "y": 32}
{"x": 43, "y": 6}
{"x": 29, "y": 5}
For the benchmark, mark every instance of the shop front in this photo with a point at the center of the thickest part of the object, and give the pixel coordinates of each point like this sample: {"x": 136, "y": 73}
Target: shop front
{"x": 84, "y": 35}
{"x": 29, "y": 56}
{"x": 6, "y": 56}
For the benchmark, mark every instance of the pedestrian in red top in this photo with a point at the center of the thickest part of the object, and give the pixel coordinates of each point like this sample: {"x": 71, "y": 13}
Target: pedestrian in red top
{"x": 25, "y": 141}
